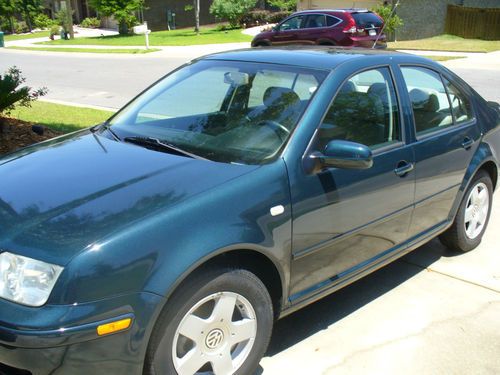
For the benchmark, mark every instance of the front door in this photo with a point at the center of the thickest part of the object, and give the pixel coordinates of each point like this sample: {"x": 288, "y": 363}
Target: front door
{"x": 344, "y": 219}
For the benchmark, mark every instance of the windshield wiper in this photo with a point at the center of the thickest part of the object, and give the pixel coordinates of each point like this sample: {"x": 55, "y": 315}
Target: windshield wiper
{"x": 156, "y": 144}
{"x": 105, "y": 126}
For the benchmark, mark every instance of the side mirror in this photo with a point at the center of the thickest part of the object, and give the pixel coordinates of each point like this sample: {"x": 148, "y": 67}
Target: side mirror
{"x": 343, "y": 154}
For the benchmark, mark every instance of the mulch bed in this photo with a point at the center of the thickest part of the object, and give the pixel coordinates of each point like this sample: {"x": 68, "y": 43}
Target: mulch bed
{"x": 16, "y": 134}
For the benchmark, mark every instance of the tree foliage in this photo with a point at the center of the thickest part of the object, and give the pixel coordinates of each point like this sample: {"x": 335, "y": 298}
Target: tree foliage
{"x": 121, "y": 10}
{"x": 29, "y": 9}
{"x": 391, "y": 22}
{"x": 284, "y": 5}
{"x": 231, "y": 10}
{"x": 8, "y": 9}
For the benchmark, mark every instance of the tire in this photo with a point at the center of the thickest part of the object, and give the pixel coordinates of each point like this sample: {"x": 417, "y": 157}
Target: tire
{"x": 205, "y": 296}
{"x": 463, "y": 235}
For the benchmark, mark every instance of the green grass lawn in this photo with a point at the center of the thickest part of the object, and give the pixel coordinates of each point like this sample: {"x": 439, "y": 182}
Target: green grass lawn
{"x": 448, "y": 43}
{"x": 60, "y": 117}
{"x": 38, "y": 34}
{"x": 182, "y": 37}
{"x": 88, "y": 50}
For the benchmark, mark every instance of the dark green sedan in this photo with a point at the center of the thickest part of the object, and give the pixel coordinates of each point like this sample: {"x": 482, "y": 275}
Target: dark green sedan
{"x": 234, "y": 191}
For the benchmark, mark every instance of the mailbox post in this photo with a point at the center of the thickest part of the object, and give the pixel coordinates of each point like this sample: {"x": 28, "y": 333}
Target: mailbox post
{"x": 143, "y": 29}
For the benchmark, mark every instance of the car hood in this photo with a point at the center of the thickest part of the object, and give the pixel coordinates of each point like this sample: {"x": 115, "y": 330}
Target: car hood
{"x": 60, "y": 197}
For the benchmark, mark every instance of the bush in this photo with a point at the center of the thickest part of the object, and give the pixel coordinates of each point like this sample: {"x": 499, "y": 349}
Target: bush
{"x": 262, "y": 17}
{"x": 276, "y": 17}
{"x": 21, "y": 27}
{"x": 255, "y": 18}
{"x": 391, "y": 23}
{"x": 231, "y": 10}
{"x": 42, "y": 21}
{"x": 54, "y": 30}
{"x": 91, "y": 23}
{"x": 13, "y": 92}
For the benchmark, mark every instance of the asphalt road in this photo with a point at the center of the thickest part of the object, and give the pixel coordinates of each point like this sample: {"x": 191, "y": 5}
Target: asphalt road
{"x": 112, "y": 80}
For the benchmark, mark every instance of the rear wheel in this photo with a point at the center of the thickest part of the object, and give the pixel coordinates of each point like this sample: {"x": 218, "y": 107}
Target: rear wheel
{"x": 219, "y": 322}
{"x": 472, "y": 217}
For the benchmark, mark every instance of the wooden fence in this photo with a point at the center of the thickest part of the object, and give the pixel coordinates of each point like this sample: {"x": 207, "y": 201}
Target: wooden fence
{"x": 474, "y": 23}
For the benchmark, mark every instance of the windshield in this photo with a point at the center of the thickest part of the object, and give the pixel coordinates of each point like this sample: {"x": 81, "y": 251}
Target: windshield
{"x": 367, "y": 20}
{"x": 235, "y": 112}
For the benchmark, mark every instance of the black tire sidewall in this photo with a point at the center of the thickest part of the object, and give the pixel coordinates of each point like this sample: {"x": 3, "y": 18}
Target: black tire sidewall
{"x": 159, "y": 359}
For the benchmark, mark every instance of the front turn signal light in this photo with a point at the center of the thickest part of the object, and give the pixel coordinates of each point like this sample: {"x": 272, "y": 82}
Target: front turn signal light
{"x": 119, "y": 325}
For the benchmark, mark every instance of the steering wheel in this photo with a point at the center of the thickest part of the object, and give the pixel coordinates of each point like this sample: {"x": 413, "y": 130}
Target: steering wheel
{"x": 278, "y": 128}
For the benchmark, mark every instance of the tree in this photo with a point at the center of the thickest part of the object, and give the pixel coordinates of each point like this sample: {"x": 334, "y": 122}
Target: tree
{"x": 8, "y": 8}
{"x": 284, "y": 5}
{"x": 392, "y": 21}
{"x": 13, "y": 92}
{"x": 121, "y": 10}
{"x": 29, "y": 9}
{"x": 232, "y": 10}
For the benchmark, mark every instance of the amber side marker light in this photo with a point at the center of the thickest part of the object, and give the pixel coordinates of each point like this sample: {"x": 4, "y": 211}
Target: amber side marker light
{"x": 119, "y": 325}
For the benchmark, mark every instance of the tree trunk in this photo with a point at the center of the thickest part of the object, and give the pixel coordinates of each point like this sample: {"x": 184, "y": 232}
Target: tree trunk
{"x": 197, "y": 16}
{"x": 69, "y": 9}
{"x": 28, "y": 22}
{"x": 11, "y": 26}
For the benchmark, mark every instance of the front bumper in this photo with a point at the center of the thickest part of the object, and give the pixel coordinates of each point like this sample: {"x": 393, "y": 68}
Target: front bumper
{"x": 63, "y": 339}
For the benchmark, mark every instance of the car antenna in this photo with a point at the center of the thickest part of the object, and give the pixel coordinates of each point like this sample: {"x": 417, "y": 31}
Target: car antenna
{"x": 385, "y": 23}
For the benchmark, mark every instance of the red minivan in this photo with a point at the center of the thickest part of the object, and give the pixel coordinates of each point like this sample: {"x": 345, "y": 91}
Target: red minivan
{"x": 335, "y": 27}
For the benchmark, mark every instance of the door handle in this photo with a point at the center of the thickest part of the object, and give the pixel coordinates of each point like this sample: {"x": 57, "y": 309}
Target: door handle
{"x": 403, "y": 168}
{"x": 467, "y": 143}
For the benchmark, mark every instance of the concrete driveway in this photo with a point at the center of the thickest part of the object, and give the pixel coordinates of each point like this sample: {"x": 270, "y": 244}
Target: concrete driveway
{"x": 432, "y": 312}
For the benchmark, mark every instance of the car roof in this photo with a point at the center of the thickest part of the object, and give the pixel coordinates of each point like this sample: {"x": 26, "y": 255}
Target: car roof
{"x": 316, "y": 57}
{"x": 336, "y": 10}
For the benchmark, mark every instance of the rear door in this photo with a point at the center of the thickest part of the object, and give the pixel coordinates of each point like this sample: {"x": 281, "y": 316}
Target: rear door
{"x": 446, "y": 137}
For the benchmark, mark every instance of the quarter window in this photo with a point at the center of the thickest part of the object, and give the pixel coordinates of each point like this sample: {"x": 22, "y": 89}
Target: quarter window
{"x": 365, "y": 111}
{"x": 460, "y": 105}
{"x": 331, "y": 21}
{"x": 431, "y": 107}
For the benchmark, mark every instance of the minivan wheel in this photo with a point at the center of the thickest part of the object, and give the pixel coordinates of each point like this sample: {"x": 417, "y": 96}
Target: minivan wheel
{"x": 473, "y": 215}
{"x": 219, "y": 322}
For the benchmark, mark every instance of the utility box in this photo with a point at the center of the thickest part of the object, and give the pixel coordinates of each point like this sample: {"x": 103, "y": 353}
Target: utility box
{"x": 2, "y": 43}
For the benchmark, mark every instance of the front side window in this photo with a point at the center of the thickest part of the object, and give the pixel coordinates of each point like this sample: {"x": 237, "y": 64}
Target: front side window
{"x": 234, "y": 112}
{"x": 364, "y": 111}
{"x": 460, "y": 104}
{"x": 293, "y": 23}
{"x": 431, "y": 108}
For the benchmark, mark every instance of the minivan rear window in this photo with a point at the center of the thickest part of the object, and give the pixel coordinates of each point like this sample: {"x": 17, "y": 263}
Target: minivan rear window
{"x": 367, "y": 19}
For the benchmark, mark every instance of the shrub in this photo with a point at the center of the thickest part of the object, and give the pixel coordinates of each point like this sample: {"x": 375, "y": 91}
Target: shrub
{"x": 255, "y": 18}
{"x": 276, "y": 17}
{"x": 391, "y": 23}
{"x": 284, "y": 5}
{"x": 91, "y": 23}
{"x": 231, "y": 10}
{"x": 13, "y": 92}
{"x": 42, "y": 21}
{"x": 54, "y": 30}
{"x": 21, "y": 27}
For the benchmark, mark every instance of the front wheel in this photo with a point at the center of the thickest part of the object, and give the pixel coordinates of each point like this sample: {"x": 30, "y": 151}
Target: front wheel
{"x": 473, "y": 215}
{"x": 218, "y": 322}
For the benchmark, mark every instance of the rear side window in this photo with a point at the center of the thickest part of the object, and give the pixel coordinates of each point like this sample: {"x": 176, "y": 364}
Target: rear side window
{"x": 366, "y": 20}
{"x": 460, "y": 104}
{"x": 315, "y": 21}
{"x": 365, "y": 111}
{"x": 431, "y": 107}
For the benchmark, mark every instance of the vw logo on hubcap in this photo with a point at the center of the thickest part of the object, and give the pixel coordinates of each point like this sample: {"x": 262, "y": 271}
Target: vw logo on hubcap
{"x": 214, "y": 338}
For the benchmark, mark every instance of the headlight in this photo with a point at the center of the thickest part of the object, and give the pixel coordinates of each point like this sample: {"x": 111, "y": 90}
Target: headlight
{"x": 26, "y": 281}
